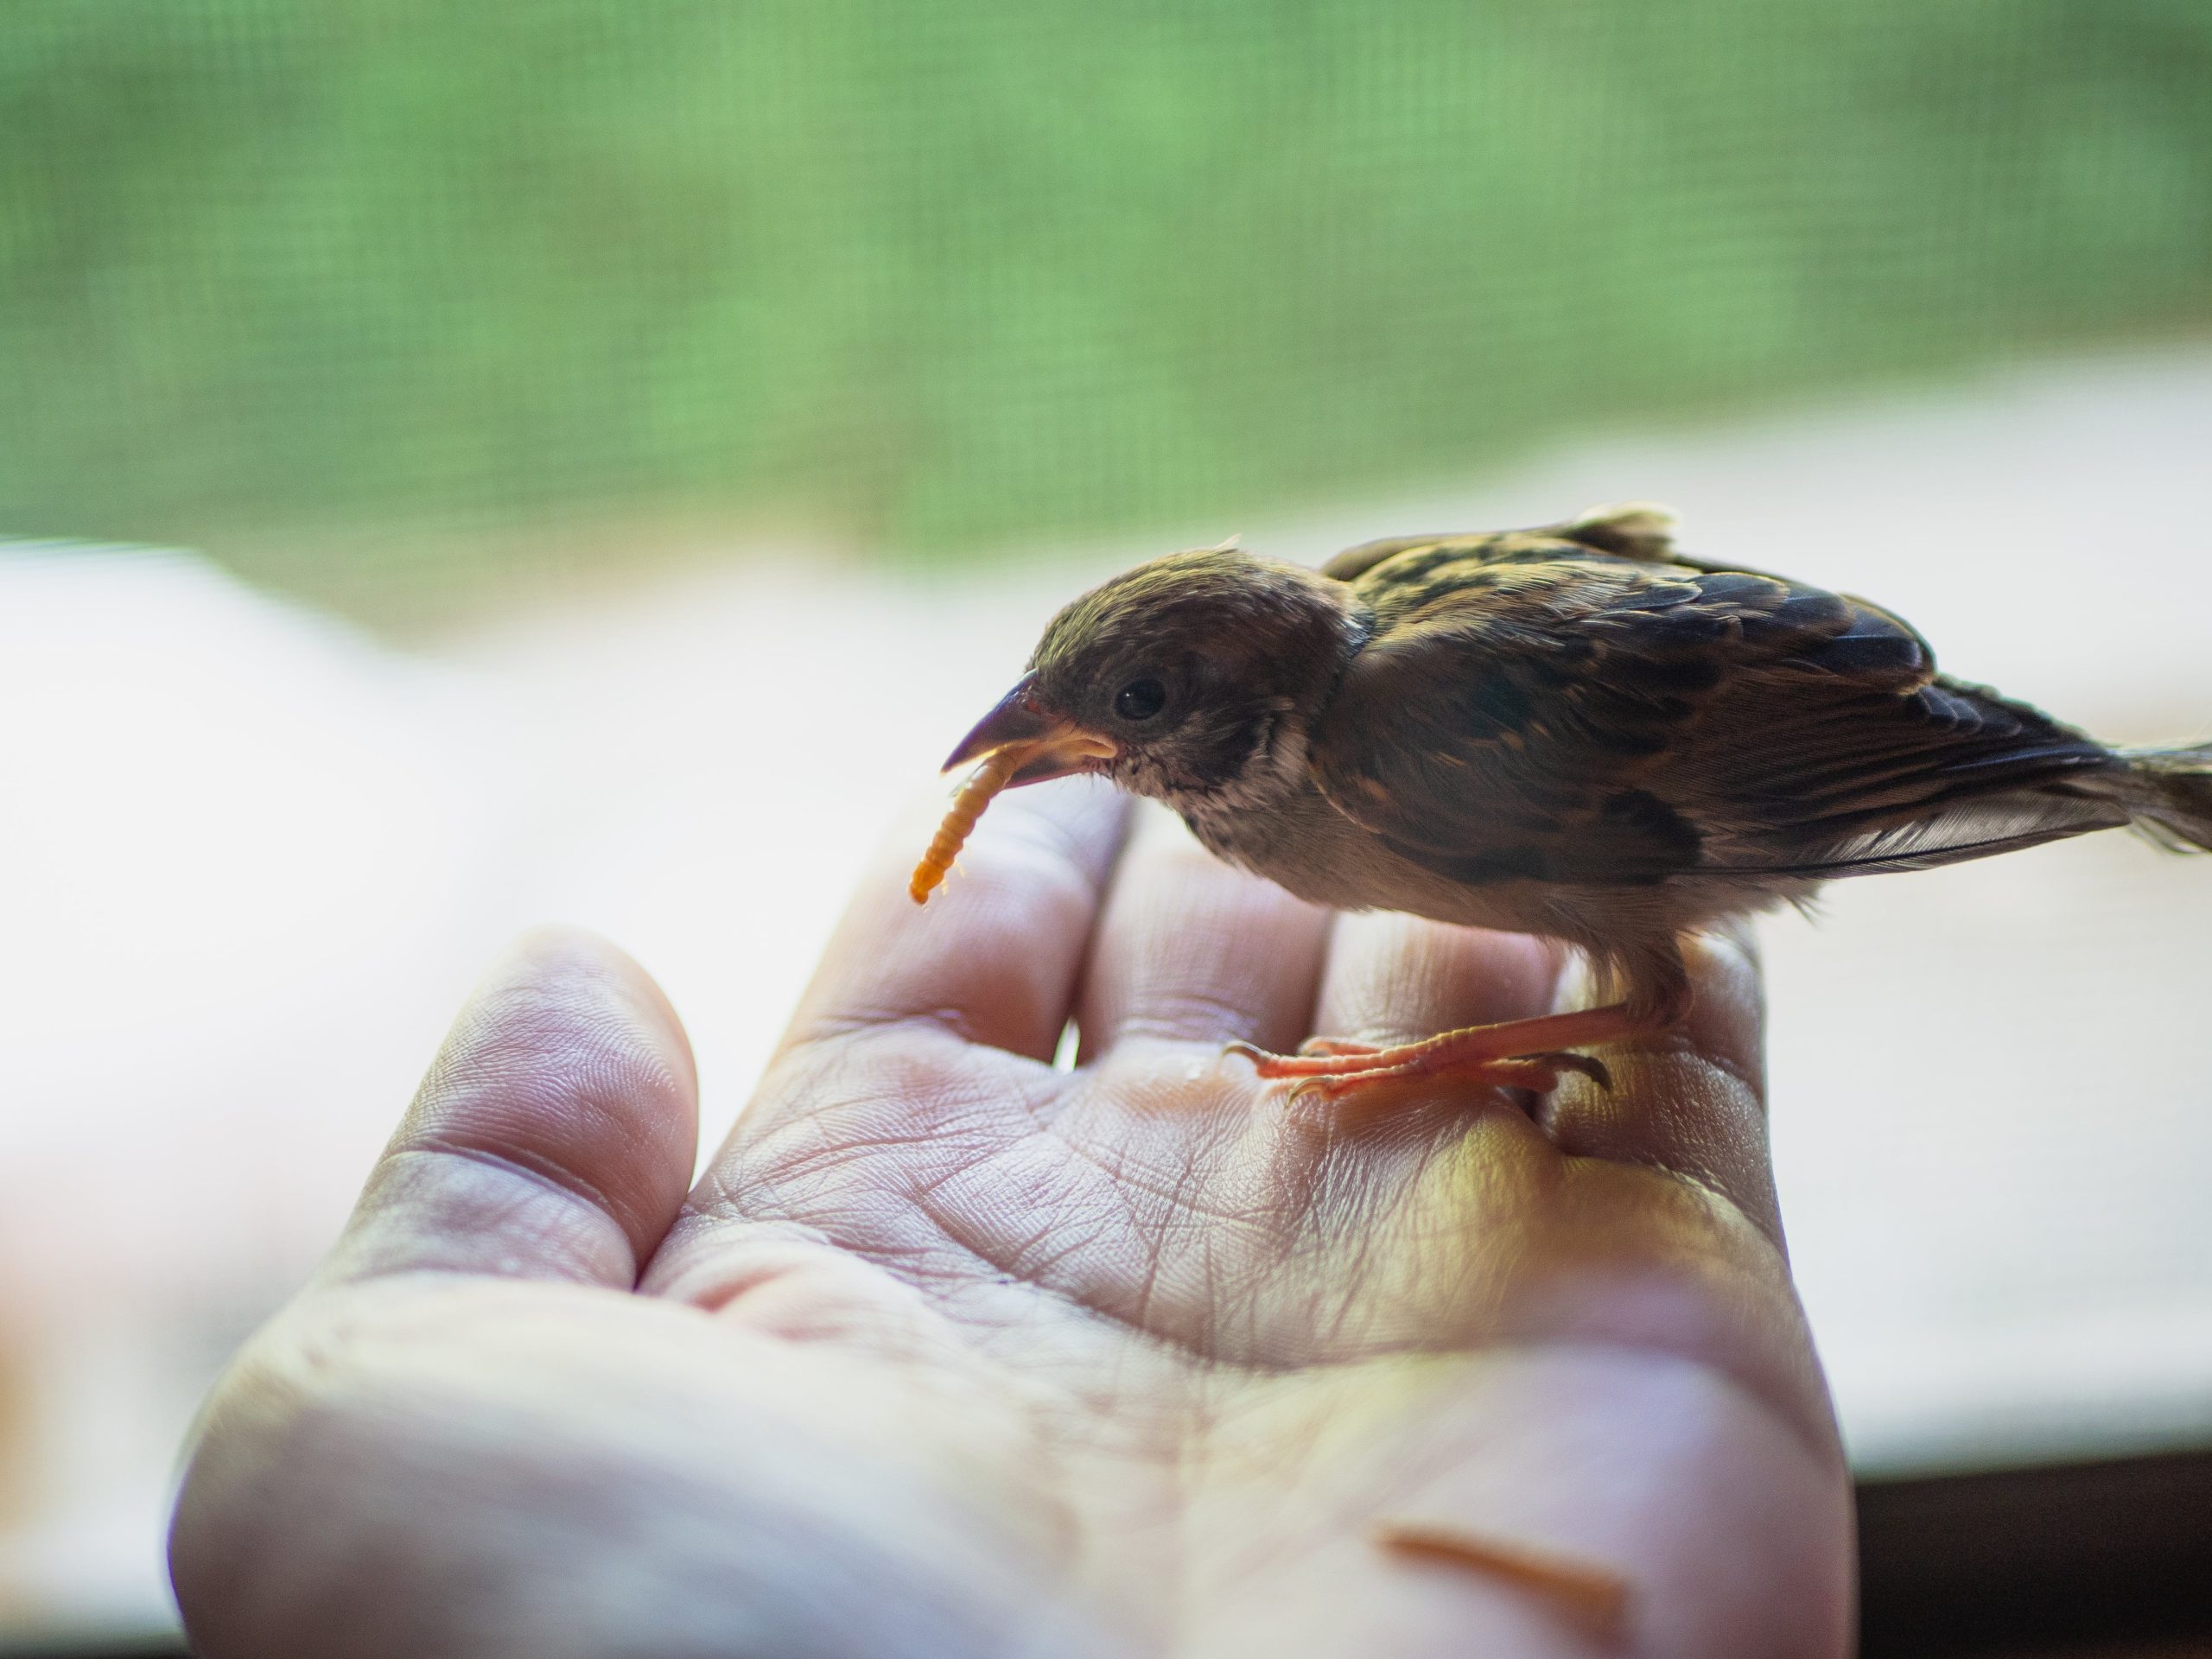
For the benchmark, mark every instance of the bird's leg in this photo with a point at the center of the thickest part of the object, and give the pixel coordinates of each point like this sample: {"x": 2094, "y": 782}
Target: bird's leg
{"x": 1513, "y": 1054}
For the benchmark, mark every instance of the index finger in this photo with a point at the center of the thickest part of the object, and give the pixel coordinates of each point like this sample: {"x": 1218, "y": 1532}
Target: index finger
{"x": 992, "y": 956}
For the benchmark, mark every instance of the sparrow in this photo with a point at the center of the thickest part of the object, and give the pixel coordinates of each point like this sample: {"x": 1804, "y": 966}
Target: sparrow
{"x": 1575, "y": 731}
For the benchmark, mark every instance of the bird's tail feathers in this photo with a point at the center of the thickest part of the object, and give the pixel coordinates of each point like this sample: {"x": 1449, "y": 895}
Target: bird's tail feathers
{"x": 2173, "y": 795}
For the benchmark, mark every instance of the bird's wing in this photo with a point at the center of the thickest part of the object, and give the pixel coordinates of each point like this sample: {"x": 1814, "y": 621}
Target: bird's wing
{"x": 1552, "y": 712}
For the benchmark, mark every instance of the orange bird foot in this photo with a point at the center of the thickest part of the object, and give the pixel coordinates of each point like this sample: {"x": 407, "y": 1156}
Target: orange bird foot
{"x": 1517, "y": 1054}
{"x": 1329, "y": 1075}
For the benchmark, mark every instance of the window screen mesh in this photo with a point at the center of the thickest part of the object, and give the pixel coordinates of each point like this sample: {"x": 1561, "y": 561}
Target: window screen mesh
{"x": 936, "y": 278}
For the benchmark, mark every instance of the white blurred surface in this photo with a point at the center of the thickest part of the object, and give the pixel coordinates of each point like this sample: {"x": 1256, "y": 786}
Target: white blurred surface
{"x": 254, "y": 860}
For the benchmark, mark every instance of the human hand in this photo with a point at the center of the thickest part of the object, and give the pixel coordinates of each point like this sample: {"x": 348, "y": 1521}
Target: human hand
{"x": 952, "y": 1353}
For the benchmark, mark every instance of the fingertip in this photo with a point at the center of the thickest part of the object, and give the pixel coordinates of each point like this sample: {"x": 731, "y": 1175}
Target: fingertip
{"x": 584, "y": 966}
{"x": 1727, "y": 1017}
{"x": 994, "y": 951}
{"x": 1694, "y": 1101}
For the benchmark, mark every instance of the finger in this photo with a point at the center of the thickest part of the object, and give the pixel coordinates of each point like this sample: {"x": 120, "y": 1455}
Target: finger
{"x": 993, "y": 955}
{"x": 553, "y": 1136}
{"x": 1392, "y": 977}
{"x": 1693, "y": 1101}
{"x": 1190, "y": 950}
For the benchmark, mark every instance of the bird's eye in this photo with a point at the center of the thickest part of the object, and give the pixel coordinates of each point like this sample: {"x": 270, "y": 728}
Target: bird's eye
{"x": 1140, "y": 700}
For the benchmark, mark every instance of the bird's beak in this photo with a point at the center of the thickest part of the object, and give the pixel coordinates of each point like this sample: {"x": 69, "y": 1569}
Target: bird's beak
{"x": 1062, "y": 747}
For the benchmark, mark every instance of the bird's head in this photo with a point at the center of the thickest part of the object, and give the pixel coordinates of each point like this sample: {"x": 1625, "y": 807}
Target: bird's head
{"x": 1192, "y": 678}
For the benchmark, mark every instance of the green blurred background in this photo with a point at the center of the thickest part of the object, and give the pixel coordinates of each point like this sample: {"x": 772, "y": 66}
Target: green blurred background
{"x": 380, "y": 301}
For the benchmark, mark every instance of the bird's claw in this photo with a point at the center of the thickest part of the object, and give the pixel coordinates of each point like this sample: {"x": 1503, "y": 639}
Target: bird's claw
{"x": 1596, "y": 1069}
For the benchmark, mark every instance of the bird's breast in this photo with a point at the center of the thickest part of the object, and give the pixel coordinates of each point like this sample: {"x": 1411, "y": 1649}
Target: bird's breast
{"x": 1302, "y": 843}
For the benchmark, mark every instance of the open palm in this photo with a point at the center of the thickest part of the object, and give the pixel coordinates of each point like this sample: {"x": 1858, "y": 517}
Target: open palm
{"x": 951, "y": 1352}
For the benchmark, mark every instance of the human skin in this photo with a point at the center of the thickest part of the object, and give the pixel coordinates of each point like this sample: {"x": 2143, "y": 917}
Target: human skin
{"x": 952, "y": 1353}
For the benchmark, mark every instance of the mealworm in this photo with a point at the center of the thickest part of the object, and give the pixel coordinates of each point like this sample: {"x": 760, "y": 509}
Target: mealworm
{"x": 968, "y": 805}
{"x": 1594, "y": 1594}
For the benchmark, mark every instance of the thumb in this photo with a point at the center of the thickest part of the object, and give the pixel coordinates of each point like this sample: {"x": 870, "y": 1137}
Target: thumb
{"x": 554, "y": 1136}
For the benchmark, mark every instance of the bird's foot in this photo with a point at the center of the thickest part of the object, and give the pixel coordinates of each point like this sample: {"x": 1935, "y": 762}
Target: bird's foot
{"x": 1539, "y": 1073}
{"x": 1519, "y": 1054}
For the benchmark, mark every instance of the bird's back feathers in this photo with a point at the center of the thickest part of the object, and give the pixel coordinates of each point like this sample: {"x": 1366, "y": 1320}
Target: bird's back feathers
{"x": 1637, "y": 530}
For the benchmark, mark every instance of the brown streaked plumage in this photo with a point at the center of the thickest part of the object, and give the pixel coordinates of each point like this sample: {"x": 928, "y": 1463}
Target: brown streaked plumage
{"x": 1573, "y": 731}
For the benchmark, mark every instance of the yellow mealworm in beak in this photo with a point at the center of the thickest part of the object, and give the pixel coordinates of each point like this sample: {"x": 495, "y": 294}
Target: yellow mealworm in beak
{"x": 968, "y": 805}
